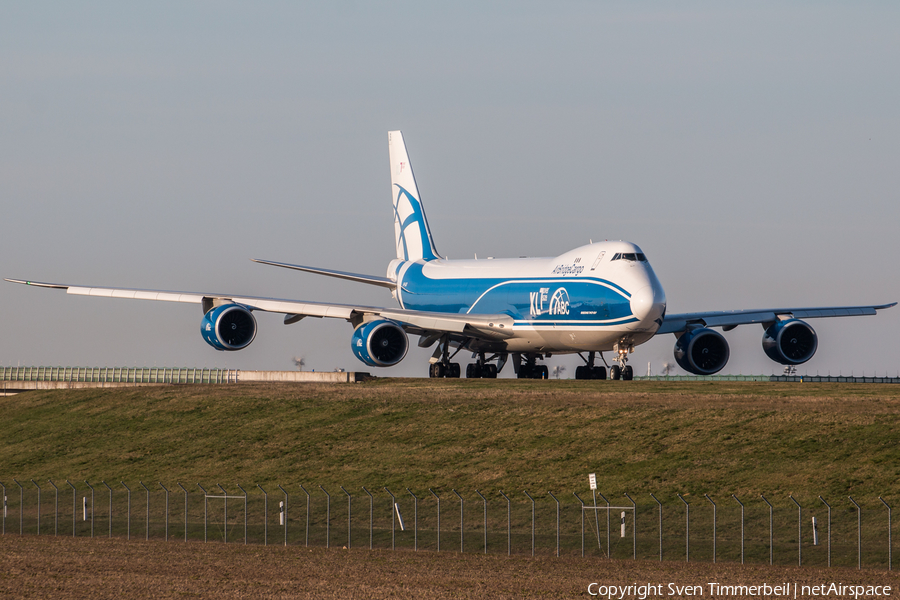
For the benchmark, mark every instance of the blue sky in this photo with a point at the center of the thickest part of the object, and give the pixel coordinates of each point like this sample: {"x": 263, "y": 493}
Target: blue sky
{"x": 753, "y": 152}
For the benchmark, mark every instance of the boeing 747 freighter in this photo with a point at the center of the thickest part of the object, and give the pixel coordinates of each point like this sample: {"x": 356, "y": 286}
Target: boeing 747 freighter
{"x": 598, "y": 298}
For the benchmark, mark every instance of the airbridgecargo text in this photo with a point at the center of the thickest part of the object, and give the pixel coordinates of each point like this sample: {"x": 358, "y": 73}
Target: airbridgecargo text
{"x": 715, "y": 589}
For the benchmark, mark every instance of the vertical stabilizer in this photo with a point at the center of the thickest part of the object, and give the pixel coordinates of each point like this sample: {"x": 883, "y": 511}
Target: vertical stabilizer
{"x": 411, "y": 232}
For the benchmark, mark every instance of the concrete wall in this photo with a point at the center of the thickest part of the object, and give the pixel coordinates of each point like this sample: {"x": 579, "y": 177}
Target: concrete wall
{"x": 298, "y": 376}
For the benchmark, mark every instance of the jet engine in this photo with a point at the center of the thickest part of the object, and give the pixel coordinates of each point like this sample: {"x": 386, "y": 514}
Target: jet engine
{"x": 379, "y": 343}
{"x": 702, "y": 351}
{"x": 790, "y": 342}
{"x": 228, "y": 327}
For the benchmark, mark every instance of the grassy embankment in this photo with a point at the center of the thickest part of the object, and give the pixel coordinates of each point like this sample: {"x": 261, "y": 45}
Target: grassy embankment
{"x": 667, "y": 438}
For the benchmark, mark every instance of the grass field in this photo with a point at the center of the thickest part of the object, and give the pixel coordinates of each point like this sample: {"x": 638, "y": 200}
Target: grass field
{"x": 689, "y": 438}
{"x": 665, "y": 438}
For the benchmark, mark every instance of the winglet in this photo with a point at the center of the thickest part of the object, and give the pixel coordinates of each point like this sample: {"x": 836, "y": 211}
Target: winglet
{"x": 57, "y": 286}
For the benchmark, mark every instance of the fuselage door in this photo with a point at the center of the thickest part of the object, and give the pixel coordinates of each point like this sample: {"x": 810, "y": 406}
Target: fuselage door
{"x": 597, "y": 262}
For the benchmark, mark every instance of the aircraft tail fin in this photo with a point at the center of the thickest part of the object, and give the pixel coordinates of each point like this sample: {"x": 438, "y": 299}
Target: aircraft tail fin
{"x": 411, "y": 232}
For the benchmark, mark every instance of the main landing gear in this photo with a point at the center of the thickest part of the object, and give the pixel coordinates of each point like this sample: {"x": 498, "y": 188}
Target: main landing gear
{"x": 588, "y": 370}
{"x": 443, "y": 367}
{"x": 481, "y": 368}
{"x": 528, "y": 369}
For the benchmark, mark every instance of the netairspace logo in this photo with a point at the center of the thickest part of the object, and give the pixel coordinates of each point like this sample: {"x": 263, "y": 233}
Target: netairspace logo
{"x": 718, "y": 590}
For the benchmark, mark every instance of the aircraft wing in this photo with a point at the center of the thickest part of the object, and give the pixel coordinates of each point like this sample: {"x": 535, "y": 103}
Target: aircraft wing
{"x": 729, "y": 319}
{"x": 485, "y": 327}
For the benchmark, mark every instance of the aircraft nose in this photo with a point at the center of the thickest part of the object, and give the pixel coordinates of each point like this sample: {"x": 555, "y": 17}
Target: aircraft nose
{"x": 646, "y": 305}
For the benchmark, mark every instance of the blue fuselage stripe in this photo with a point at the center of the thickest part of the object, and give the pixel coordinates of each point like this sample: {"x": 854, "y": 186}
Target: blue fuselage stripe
{"x": 544, "y": 301}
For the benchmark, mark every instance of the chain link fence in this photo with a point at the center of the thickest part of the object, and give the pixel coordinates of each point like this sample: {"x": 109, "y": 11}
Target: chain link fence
{"x": 813, "y": 531}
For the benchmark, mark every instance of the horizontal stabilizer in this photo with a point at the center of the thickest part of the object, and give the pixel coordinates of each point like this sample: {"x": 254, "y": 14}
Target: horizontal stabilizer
{"x": 359, "y": 278}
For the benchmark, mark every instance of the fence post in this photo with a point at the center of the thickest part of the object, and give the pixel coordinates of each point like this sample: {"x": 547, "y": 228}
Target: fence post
{"x": 890, "y": 557}
{"x": 38, "y": 507}
{"x": 858, "y": 533}
{"x": 328, "y": 517}
{"x": 308, "y": 508}
{"x": 167, "y": 508}
{"x": 225, "y": 493}
{"x": 660, "y": 525}
{"x": 4, "y": 506}
{"x": 633, "y": 527}
{"x": 742, "y": 526}
{"x": 128, "y": 519}
{"x": 21, "y": 504}
{"x": 205, "y": 511}
{"x": 687, "y": 530}
{"x": 714, "y": 525}
{"x": 74, "y": 506}
{"x": 829, "y": 528}
{"x": 532, "y": 521}
{"x": 372, "y": 517}
{"x": 55, "y": 509}
{"x": 147, "y": 530}
{"x": 245, "y": 510}
{"x": 484, "y": 502}
{"x": 185, "y": 510}
{"x": 92, "y": 506}
{"x": 509, "y": 525}
{"x": 349, "y": 519}
{"x": 557, "y": 523}
{"x": 286, "y": 514}
{"x": 415, "y": 520}
{"x": 265, "y": 516}
{"x": 582, "y": 522}
{"x": 608, "y": 548}
{"x": 438, "y": 518}
{"x": 462, "y": 508}
{"x": 772, "y": 526}
{"x": 799, "y": 531}
{"x": 394, "y": 513}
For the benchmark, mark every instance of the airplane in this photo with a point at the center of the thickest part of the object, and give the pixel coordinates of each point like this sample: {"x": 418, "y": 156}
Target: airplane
{"x": 597, "y": 298}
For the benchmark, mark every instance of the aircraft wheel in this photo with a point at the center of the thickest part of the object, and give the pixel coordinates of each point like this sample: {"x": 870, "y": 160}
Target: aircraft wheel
{"x": 454, "y": 370}
{"x": 579, "y": 372}
{"x": 524, "y": 372}
{"x": 474, "y": 371}
{"x": 436, "y": 370}
{"x": 615, "y": 372}
{"x": 490, "y": 371}
{"x": 598, "y": 373}
{"x": 627, "y": 373}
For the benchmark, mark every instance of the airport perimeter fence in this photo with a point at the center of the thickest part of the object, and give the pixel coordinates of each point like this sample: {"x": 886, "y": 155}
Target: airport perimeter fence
{"x": 119, "y": 374}
{"x": 759, "y": 529}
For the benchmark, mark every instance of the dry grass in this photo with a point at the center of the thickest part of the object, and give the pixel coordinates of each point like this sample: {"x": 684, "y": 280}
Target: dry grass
{"x": 48, "y": 567}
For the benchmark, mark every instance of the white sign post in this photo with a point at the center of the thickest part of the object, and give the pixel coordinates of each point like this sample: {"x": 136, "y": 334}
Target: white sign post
{"x": 592, "y": 479}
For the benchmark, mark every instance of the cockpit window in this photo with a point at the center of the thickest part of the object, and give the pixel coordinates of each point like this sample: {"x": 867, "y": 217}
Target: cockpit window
{"x": 632, "y": 256}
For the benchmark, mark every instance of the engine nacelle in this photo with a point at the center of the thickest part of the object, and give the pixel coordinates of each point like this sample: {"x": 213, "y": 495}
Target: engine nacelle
{"x": 790, "y": 342}
{"x": 380, "y": 343}
{"x": 702, "y": 351}
{"x": 228, "y": 327}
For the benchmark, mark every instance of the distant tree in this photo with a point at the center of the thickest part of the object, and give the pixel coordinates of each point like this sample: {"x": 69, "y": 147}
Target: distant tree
{"x": 299, "y": 362}
{"x": 558, "y": 370}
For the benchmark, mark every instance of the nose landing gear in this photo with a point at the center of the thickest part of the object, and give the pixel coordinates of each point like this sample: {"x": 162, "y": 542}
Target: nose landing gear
{"x": 622, "y": 369}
